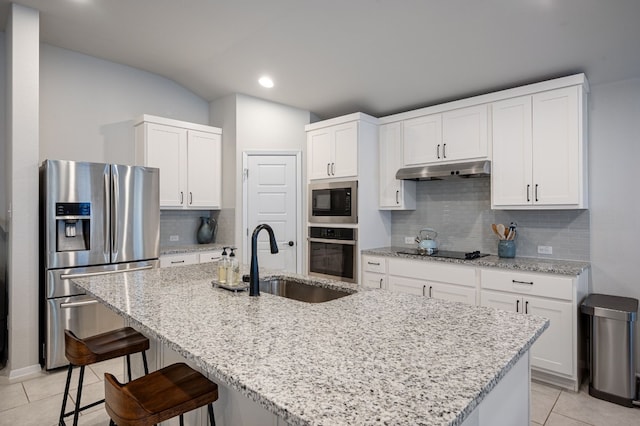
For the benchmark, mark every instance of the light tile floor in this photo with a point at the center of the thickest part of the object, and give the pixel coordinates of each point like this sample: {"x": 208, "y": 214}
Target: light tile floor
{"x": 37, "y": 402}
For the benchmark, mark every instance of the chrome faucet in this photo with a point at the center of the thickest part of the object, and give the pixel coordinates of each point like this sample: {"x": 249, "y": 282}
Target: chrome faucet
{"x": 254, "y": 277}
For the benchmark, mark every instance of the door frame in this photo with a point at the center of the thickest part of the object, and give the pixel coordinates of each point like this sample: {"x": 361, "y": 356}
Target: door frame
{"x": 246, "y": 249}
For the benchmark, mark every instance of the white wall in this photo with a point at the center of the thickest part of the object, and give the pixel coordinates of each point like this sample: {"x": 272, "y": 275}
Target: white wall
{"x": 614, "y": 151}
{"x": 259, "y": 125}
{"x": 88, "y": 105}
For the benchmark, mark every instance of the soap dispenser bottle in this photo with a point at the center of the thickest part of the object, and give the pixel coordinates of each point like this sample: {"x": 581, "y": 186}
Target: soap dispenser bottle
{"x": 222, "y": 266}
{"x": 233, "y": 268}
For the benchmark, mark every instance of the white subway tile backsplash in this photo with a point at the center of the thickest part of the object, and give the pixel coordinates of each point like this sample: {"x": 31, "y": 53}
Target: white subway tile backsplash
{"x": 460, "y": 210}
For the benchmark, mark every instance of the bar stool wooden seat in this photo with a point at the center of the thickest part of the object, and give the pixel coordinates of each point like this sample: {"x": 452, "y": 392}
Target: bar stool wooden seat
{"x": 101, "y": 347}
{"x": 159, "y": 396}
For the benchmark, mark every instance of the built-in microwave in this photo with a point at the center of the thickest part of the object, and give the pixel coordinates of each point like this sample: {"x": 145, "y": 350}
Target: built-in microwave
{"x": 333, "y": 202}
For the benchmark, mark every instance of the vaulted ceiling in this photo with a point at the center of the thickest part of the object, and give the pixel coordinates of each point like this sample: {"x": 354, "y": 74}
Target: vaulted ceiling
{"x": 339, "y": 56}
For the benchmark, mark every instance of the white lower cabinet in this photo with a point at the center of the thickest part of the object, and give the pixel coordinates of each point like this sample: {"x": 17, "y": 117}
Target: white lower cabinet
{"x": 456, "y": 283}
{"x": 169, "y": 260}
{"x": 374, "y": 272}
{"x": 209, "y": 256}
{"x": 555, "y": 357}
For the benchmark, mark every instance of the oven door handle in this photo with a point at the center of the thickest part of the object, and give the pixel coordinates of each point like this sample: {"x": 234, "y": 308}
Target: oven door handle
{"x": 330, "y": 241}
{"x": 96, "y": 274}
{"x": 78, "y": 304}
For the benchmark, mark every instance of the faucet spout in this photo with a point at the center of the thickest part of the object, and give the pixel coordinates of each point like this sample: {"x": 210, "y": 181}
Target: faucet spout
{"x": 254, "y": 277}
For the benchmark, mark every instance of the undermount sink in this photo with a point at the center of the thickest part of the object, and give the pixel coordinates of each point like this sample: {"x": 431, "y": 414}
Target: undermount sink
{"x": 300, "y": 291}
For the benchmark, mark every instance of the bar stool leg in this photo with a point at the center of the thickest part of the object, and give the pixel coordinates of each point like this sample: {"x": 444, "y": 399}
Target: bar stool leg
{"x": 65, "y": 396}
{"x": 144, "y": 360}
{"x": 212, "y": 419}
{"x": 77, "y": 410}
{"x": 181, "y": 420}
{"x": 129, "y": 366}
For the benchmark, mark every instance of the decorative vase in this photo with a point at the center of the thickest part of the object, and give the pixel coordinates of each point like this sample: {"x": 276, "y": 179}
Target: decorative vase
{"x": 207, "y": 230}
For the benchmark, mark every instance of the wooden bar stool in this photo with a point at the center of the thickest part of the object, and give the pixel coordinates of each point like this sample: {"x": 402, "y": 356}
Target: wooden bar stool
{"x": 101, "y": 347}
{"x": 158, "y": 396}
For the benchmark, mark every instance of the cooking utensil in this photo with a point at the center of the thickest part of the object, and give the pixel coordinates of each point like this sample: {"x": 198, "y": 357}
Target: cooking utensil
{"x": 500, "y": 228}
{"x": 495, "y": 230}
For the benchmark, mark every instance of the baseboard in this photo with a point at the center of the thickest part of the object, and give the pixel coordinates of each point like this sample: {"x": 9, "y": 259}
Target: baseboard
{"x": 20, "y": 374}
{"x": 552, "y": 379}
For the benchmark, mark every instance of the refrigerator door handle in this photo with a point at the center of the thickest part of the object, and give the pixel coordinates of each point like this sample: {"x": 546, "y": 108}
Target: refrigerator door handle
{"x": 96, "y": 274}
{"x": 114, "y": 213}
{"x": 107, "y": 213}
{"x": 78, "y": 304}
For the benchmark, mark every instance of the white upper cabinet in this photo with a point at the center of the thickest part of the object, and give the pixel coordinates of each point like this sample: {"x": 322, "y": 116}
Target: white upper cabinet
{"x": 539, "y": 151}
{"x": 464, "y": 133}
{"x": 333, "y": 151}
{"x": 422, "y": 139}
{"x": 394, "y": 194}
{"x": 189, "y": 158}
{"x": 460, "y": 134}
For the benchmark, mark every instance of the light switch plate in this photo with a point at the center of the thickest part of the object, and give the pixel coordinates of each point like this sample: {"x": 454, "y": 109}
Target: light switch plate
{"x": 545, "y": 250}
{"x": 174, "y": 238}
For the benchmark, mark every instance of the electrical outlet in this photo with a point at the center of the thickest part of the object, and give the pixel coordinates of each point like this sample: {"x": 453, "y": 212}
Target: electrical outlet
{"x": 174, "y": 238}
{"x": 409, "y": 240}
{"x": 545, "y": 250}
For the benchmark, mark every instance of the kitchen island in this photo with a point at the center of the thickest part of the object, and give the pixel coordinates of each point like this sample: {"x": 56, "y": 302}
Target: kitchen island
{"x": 373, "y": 357}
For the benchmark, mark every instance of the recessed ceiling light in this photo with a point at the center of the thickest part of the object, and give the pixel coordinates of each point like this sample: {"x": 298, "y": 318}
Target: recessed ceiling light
{"x": 266, "y": 82}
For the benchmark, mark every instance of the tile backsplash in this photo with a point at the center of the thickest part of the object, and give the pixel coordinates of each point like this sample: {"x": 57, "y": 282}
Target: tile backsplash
{"x": 184, "y": 224}
{"x": 460, "y": 211}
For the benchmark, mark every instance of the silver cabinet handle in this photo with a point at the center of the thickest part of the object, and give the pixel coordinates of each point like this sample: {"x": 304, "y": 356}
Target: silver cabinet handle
{"x": 333, "y": 169}
{"x": 528, "y": 189}
{"x": 444, "y": 150}
{"x": 78, "y": 304}
{"x": 328, "y": 169}
{"x": 373, "y": 263}
{"x": 181, "y": 197}
{"x": 536, "y": 192}
{"x": 397, "y": 197}
{"x": 438, "y": 151}
{"x": 96, "y": 274}
{"x": 190, "y": 197}
{"x": 522, "y": 282}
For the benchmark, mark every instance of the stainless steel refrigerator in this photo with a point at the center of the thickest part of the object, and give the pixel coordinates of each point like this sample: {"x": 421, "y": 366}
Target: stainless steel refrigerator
{"x": 95, "y": 219}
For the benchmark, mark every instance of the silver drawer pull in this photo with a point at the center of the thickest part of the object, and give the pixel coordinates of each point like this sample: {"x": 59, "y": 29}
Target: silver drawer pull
{"x": 374, "y": 263}
{"x": 78, "y": 304}
{"x": 522, "y": 282}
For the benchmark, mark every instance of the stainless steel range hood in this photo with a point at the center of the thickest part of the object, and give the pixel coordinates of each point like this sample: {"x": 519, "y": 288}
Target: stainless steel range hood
{"x": 446, "y": 171}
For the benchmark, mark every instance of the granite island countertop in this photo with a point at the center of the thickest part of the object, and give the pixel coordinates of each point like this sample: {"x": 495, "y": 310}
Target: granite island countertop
{"x": 523, "y": 264}
{"x": 373, "y": 357}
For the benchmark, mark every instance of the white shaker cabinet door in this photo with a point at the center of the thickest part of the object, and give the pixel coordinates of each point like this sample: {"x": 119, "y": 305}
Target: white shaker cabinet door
{"x": 553, "y": 351}
{"x": 407, "y": 285}
{"x": 166, "y": 149}
{"x": 453, "y": 293}
{"x": 204, "y": 183}
{"x": 556, "y": 147}
{"x": 394, "y": 194}
{"x": 504, "y": 301}
{"x": 422, "y": 139}
{"x": 511, "y": 172}
{"x": 319, "y": 146}
{"x": 345, "y": 157}
{"x": 464, "y": 133}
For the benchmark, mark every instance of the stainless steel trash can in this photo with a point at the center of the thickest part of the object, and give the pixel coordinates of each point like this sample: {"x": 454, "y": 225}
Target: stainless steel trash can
{"x": 612, "y": 375}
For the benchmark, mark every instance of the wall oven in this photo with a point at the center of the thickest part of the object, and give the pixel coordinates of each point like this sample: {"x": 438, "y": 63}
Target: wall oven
{"x": 333, "y": 202}
{"x": 333, "y": 253}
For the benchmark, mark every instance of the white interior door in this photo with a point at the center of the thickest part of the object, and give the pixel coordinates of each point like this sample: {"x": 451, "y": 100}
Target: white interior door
{"x": 271, "y": 198}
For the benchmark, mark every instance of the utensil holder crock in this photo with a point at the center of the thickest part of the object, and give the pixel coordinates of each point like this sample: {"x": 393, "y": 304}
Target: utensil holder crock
{"x": 507, "y": 248}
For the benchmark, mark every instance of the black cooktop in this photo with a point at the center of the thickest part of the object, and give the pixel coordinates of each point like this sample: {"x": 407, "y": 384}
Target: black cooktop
{"x": 444, "y": 253}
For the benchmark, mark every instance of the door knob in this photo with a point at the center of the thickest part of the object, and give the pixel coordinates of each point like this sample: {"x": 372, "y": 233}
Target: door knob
{"x": 290, "y": 243}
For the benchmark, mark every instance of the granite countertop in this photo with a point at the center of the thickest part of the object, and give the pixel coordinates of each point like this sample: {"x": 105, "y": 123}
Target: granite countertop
{"x": 524, "y": 264}
{"x": 191, "y": 248}
{"x": 374, "y": 357}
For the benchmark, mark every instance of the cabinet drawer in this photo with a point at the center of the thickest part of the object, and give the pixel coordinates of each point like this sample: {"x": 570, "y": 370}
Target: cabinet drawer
{"x": 209, "y": 256}
{"x": 373, "y": 280}
{"x": 374, "y": 264}
{"x": 527, "y": 283}
{"x": 433, "y": 271}
{"x": 178, "y": 260}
